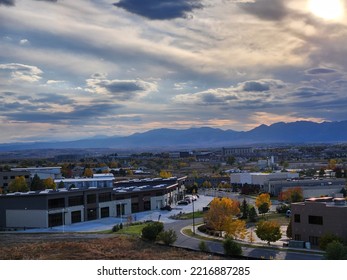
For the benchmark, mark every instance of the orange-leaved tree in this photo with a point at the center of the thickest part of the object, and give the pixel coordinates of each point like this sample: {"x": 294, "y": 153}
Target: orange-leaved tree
{"x": 291, "y": 195}
{"x": 222, "y": 217}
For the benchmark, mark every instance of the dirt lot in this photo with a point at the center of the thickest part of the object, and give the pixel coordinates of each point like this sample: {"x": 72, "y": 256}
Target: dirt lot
{"x": 72, "y": 246}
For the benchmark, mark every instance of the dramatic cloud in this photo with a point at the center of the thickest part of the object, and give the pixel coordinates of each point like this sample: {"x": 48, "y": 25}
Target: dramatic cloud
{"x": 266, "y": 9}
{"x": 7, "y": 2}
{"x": 22, "y": 72}
{"x": 261, "y": 85}
{"x": 160, "y": 10}
{"x": 81, "y": 68}
{"x": 121, "y": 90}
{"x": 249, "y": 94}
{"x": 320, "y": 71}
{"x": 79, "y": 114}
{"x": 12, "y": 2}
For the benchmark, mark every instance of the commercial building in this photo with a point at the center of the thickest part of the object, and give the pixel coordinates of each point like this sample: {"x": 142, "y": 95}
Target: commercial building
{"x": 237, "y": 151}
{"x": 6, "y": 177}
{"x": 42, "y": 172}
{"x": 319, "y": 216}
{"x": 259, "y": 179}
{"x": 310, "y": 187}
{"x": 51, "y": 208}
{"x": 97, "y": 181}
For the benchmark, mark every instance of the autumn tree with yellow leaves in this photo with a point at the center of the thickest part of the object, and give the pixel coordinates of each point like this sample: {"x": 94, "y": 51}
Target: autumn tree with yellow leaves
{"x": 88, "y": 172}
{"x": 18, "y": 185}
{"x": 222, "y": 217}
{"x": 165, "y": 174}
{"x": 263, "y": 203}
{"x": 49, "y": 183}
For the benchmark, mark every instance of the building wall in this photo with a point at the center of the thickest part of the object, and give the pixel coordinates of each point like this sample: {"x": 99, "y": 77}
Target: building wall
{"x": 7, "y": 177}
{"x": 56, "y": 208}
{"x": 113, "y": 207}
{"x": 239, "y": 151}
{"x": 333, "y": 220}
{"x": 317, "y": 192}
{"x": 85, "y": 183}
{"x": 241, "y": 178}
{"x": 26, "y": 219}
{"x": 259, "y": 178}
{"x": 311, "y": 188}
{"x": 42, "y": 172}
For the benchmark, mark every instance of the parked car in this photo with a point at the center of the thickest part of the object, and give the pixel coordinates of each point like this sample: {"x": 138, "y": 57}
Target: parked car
{"x": 166, "y": 207}
{"x": 183, "y": 202}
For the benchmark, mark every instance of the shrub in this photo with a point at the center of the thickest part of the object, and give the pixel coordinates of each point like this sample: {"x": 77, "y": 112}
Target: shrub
{"x": 167, "y": 237}
{"x": 115, "y": 228}
{"x": 231, "y": 248}
{"x": 202, "y": 228}
{"x": 328, "y": 238}
{"x": 335, "y": 251}
{"x": 151, "y": 231}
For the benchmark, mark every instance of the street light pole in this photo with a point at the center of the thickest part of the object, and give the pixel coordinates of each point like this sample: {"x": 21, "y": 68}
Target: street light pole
{"x": 193, "y": 217}
{"x": 193, "y": 199}
{"x": 63, "y": 212}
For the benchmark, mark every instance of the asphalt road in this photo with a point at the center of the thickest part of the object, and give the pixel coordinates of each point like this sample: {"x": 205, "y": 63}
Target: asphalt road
{"x": 257, "y": 252}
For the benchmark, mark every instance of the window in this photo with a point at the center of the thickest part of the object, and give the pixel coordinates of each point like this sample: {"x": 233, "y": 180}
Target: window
{"x": 103, "y": 197}
{"x": 120, "y": 208}
{"x": 105, "y": 212}
{"x": 147, "y": 205}
{"x": 314, "y": 240}
{"x": 55, "y": 219}
{"x": 56, "y": 203}
{"x": 297, "y": 218}
{"x": 76, "y": 217}
{"x": 75, "y": 200}
{"x": 315, "y": 220}
{"x": 135, "y": 207}
{"x": 297, "y": 237}
{"x": 91, "y": 214}
{"x": 91, "y": 198}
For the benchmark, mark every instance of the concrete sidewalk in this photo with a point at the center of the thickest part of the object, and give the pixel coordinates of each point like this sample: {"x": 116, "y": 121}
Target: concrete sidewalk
{"x": 258, "y": 243}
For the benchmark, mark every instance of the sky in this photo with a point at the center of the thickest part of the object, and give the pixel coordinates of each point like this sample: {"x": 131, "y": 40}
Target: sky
{"x": 85, "y": 68}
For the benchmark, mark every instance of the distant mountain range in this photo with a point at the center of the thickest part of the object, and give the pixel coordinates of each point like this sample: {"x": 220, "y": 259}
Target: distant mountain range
{"x": 296, "y": 132}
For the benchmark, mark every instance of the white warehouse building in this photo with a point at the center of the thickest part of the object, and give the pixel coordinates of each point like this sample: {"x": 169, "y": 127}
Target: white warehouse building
{"x": 261, "y": 179}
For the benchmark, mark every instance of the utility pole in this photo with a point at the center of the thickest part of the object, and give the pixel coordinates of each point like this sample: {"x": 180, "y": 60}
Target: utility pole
{"x": 193, "y": 192}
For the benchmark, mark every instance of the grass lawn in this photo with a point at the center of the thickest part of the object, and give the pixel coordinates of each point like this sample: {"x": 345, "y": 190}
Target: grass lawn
{"x": 187, "y": 216}
{"x": 282, "y": 219}
{"x": 132, "y": 229}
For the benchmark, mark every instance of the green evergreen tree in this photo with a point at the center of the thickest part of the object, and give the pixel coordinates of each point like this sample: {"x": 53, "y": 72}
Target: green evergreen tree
{"x": 36, "y": 183}
{"x": 244, "y": 209}
{"x": 252, "y": 215}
